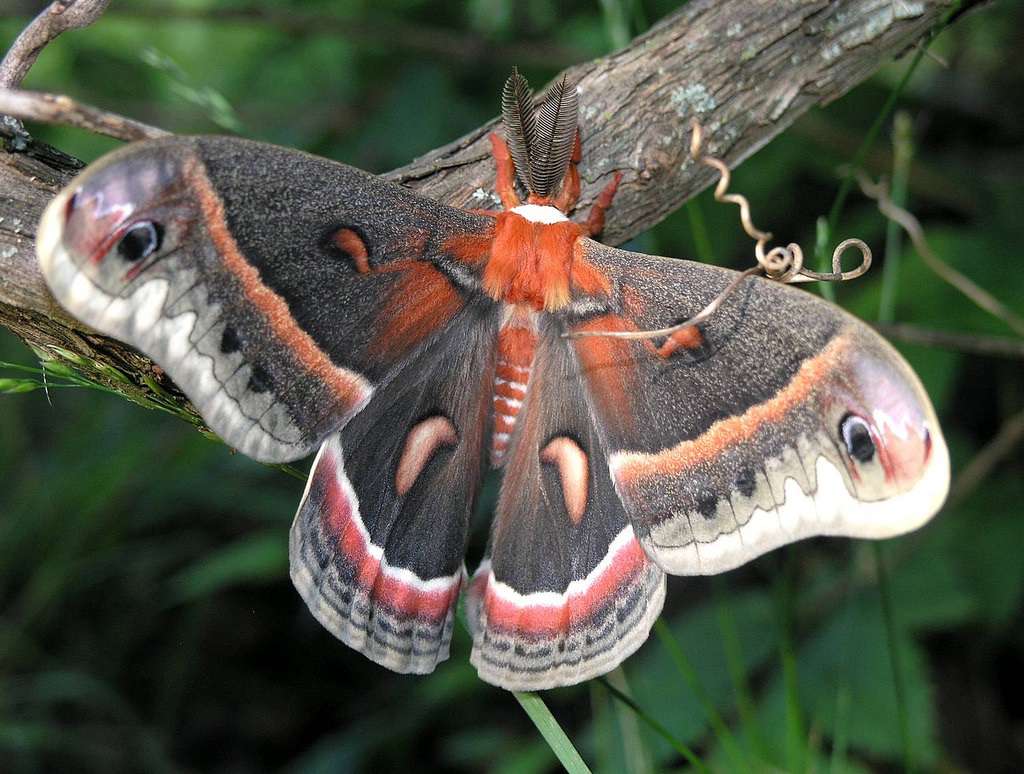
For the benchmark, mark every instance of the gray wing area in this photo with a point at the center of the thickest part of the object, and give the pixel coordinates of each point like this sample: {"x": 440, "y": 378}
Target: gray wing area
{"x": 377, "y": 544}
{"x": 566, "y": 592}
{"x": 277, "y": 289}
{"x": 778, "y": 418}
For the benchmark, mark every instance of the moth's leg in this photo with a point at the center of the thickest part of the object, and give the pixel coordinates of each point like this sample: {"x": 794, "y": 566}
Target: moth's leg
{"x": 505, "y": 180}
{"x": 570, "y": 192}
{"x": 595, "y": 222}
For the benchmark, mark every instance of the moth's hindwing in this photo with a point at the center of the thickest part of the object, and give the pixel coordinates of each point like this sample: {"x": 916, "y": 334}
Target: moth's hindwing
{"x": 780, "y": 418}
{"x": 566, "y": 591}
{"x": 377, "y": 545}
{"x": 279, "y": 290}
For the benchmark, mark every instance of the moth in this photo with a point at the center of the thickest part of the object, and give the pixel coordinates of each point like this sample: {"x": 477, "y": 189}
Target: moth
{"x": 306, "y": 306}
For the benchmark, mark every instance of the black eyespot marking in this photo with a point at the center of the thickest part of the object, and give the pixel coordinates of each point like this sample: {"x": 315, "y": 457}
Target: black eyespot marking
{"x": 229, "y": 341}
{"x": 707, "y": 505}
{"x": 857, "y": 436}
{"x": 72, "y": 202}
{"x": 746, "y": 482}
{"x": 140, "y": 241}
{"x": 259, "y": 381}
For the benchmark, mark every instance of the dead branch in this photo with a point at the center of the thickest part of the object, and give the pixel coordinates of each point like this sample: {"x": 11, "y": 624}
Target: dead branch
{"x": 970, "y": 343}
{"x": 746, "y": 68}
{"x": 59, "y": 109}
{"x": 1010, "y": 435}
{"x": 56, "y": 18}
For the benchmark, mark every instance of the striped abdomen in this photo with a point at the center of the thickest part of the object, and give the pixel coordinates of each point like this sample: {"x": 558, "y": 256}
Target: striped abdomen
{"x": 511, "y": 380}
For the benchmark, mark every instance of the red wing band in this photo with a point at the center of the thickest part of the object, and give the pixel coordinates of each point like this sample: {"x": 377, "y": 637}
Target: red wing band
{"x": 547, "y": 639}
{"x": 389, "y": 614}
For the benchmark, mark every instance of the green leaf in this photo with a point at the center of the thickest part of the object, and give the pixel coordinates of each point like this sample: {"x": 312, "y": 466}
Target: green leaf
{"x": 15, "y": 386}
{"x": 851, "y": 651}
{"x": 253, "y": 559}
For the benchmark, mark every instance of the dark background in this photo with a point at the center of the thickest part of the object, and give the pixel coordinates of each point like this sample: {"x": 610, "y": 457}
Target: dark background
{"x": 146, "y": 618}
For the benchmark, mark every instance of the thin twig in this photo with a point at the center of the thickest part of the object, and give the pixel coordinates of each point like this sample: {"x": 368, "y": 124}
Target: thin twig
{"x": 63, "y": 110}
{"x": 995, "y": 451}
{"x": 981, "y": 297}
{"x": 54, "y": 19}
{"x": 997, "y": 346}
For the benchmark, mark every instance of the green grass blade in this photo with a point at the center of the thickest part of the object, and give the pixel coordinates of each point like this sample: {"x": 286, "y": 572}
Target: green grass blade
{"x": 634, "y": 750}
{"x": 553, "y": 734}
{"x": 795, "y": 734}
{"x": 616, "y": 22}
{"x": 737, "y": 759}
{"x": 681, "y": 747}
{"x": 902, "y": 159}
{"x": 898, "y": 684}
{"x": 600, "y": 710}
{"x": 903, "y": 154}
{"x": 841, "y": 729}
{"x": 840, "y": 738}
{"x": 699, "y": 231}
{"x": 737, "y": 670}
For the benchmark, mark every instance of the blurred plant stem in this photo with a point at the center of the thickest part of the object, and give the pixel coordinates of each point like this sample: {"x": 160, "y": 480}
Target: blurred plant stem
{"x": 699, "y": 231}
{"x": 796, "y": 746}
{"x": 681, "y": 747}
{"x": 903, "y": 154}
{"x": 737, "y": 671}
{"x": 898, "y": 683}
{"x": 826, "y": 234}
{"x": 637, "y": 756}
{"x": 685, "y": 668}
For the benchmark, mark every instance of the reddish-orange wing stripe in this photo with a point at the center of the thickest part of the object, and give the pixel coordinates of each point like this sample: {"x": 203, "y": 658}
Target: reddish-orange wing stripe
{"x": 630, "y": 467}
{"x": 349, "y": 242}
{"x": 350, "y": 388}
{"x": 421, "y": 301}
{"x": 471, "y": 249}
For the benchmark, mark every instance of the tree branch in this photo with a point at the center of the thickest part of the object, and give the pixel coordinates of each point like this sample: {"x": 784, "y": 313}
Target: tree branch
{"x": 746, "y": 68}
{"x": 59, "y": 109}
{"x": 56, "y": 18}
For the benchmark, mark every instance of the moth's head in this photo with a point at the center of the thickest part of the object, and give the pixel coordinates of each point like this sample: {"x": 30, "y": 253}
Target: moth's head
{"x": 118, "y": 218}
{"x": 884, "y": 426}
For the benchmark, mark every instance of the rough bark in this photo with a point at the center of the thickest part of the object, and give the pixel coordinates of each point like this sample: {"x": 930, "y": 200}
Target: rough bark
{"x": 745, "y": 68}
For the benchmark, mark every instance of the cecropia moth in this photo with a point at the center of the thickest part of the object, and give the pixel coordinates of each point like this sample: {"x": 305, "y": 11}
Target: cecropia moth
{"x": 305, "y": 306}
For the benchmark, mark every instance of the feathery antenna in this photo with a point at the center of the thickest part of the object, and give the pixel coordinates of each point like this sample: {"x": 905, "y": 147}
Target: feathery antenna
{"x": 520, "y": 124}
{"x": 556, "y": 131}
{"x": 540, "y": 143}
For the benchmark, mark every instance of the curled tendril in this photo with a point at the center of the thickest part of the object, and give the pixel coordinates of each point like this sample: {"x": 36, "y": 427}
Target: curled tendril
{"x": 784, "y": 264}
{"x": 781, "y": 264}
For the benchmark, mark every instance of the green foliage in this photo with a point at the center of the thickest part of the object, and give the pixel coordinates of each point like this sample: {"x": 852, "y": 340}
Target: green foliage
{"x": 146, "y": 620}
